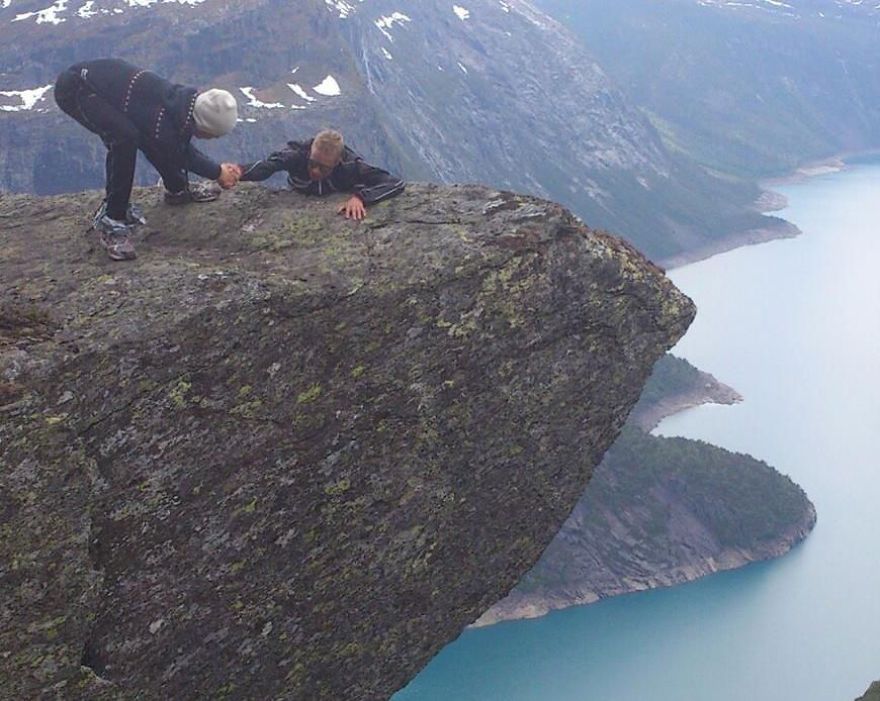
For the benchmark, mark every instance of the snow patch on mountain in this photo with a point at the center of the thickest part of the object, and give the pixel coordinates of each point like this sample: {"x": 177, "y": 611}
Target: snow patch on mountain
{"x": 328, "y": 87}
{"x": 59, "y": 11}
{"x": 386, "y": 23}
{"x": 341, "y": 8}
{"x": 48, "y": 15}
{"x": 254, "y": 101}
{"x": 22, "y": 100}
{"x": 297, "y": 88}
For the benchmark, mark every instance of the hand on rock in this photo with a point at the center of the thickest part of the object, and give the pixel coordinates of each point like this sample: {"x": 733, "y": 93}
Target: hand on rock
{"x": 353, "y": 209}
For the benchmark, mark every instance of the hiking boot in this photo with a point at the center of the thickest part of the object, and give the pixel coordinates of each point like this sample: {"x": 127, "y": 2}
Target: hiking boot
{"x": 196, "y": 192}
{"x": 115, "y": 239}
{"x": 134, "y": 216}
{"x": 118, "y": 247}
{"x": 203, "y": 192}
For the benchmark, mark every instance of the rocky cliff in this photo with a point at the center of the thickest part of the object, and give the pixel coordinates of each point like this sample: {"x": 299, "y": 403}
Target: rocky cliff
{"x": 285, "y": 456}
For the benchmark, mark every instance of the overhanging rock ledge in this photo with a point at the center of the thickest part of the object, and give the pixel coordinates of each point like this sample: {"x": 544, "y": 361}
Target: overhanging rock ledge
{"x": 285, "y": 456}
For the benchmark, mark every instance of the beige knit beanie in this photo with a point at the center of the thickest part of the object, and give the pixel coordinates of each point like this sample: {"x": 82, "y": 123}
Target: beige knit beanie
{"x": 215, "y": 112}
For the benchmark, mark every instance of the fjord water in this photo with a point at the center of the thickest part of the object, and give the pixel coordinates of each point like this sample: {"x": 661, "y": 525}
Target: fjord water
{"x": 794, "y": 325}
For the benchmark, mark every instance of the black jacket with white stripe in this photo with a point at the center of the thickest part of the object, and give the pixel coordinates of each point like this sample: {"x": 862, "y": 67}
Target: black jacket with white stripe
{"x": 352, "y": 174}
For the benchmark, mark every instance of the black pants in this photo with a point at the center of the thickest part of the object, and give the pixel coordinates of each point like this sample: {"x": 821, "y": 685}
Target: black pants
{"x": 121, "y": 137}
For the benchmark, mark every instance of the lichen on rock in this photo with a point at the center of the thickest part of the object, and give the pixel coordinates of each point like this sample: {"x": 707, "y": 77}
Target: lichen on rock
{"x": 283, "y": 455}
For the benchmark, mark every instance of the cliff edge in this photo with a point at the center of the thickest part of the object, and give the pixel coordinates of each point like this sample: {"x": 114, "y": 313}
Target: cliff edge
{"x": 872, "y": 694}
{"x": 285, "y": 456}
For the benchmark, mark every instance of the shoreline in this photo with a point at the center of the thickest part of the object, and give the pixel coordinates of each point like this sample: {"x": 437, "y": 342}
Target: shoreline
{"x": 776, "y": 229}
{"x": 770, "y": 201}
{"x": 515, "y": 607}
{"x": 712, "y": 391}
{"x": 823, "y": 166}
{"x": 535, "y": 605}
{"x": 519, "y": 607}
{"x": 813, "y": 169}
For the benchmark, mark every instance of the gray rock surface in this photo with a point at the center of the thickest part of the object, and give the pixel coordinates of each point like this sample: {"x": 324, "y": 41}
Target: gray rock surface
{"x": 286, "y": 456}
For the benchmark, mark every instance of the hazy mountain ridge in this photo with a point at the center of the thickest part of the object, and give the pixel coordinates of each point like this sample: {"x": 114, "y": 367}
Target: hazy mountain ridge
{"x": 491, "y": 91}
{"x": 752, "y": 92}
{"x": 822, "y": 9}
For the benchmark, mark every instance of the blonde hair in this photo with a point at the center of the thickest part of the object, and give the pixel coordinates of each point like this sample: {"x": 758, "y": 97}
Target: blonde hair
{"x": 330, "y": 143}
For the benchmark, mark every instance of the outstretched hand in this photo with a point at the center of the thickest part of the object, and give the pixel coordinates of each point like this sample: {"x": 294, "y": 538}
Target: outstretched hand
{"x": 230, "y": 174}
{"x": 353, "y": 209}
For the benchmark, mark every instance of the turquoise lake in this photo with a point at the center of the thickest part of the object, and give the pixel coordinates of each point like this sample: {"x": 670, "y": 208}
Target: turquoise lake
{"x": 794, "y": 326}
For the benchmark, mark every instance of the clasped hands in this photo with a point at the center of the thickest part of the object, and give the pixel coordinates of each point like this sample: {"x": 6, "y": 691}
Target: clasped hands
{"x": 230, "y": 174}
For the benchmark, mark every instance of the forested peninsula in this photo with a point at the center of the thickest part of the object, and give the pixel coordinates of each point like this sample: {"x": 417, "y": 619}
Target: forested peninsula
{"x": 663, "y": 511}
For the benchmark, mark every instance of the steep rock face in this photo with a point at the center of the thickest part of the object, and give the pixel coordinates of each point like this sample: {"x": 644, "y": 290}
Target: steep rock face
{"x": 496, "y": 92}
{"x": 285, "y": 456}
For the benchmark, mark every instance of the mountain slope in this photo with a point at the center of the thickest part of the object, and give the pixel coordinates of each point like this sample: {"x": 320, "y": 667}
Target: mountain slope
{"x": 493, "y": 92}
{"x": 752, "y": 89}
{"x": 872, "y": 694}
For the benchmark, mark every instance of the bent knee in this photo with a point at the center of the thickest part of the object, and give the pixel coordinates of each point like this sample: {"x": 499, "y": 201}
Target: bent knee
{"x": 122, "y": 135}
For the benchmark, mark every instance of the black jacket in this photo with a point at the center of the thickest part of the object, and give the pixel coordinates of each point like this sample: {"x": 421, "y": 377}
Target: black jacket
{"x": 161, "y": 110}
{"x": 352, "y": 174}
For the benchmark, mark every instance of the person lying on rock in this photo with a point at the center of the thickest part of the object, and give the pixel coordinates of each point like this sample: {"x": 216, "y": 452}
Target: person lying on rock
{"x": 130, "y": 109}
{"x": 325, "y": 165}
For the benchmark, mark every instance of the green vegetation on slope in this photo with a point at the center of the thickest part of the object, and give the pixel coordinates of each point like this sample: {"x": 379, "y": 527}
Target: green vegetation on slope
{"x": 657, "y": 507}
{"x": 740, "y": 499}
{"x": 660, "y": 511}
{"x": 671, "y": 376}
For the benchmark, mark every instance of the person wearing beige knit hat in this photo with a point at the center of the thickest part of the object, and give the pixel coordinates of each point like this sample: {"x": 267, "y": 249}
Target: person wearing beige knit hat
{"x": 133, "y": 110}
{"x": 215, "y": 113}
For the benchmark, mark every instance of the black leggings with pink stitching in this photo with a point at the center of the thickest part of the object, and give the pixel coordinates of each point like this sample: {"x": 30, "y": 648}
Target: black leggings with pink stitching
{"x": 121, "y": 137}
